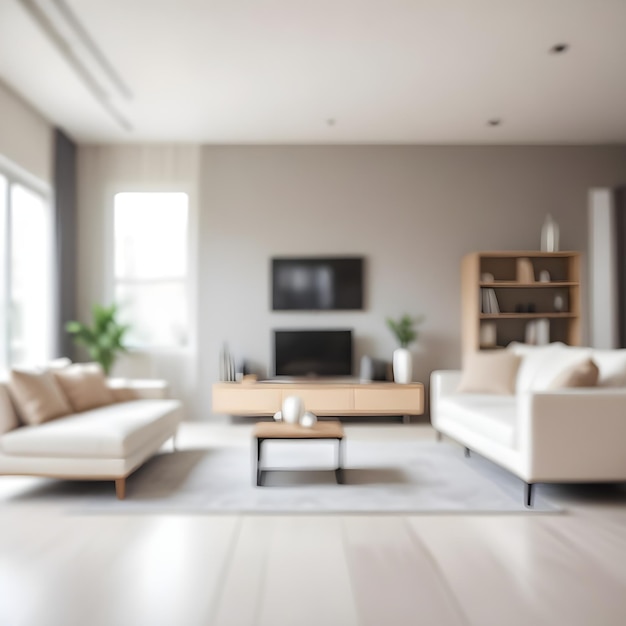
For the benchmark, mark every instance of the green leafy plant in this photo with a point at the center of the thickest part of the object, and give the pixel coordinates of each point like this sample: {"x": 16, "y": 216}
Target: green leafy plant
{"x": 404, "y": 329}
{"x": 104, "y": 340}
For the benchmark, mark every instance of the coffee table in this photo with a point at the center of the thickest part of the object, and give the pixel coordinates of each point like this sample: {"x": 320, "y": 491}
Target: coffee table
{"x": 264, "y": 431}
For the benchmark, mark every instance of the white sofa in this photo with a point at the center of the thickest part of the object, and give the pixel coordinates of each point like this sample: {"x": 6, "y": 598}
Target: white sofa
{"x": 106, "y": 443}
{"x": 542, "y": 435}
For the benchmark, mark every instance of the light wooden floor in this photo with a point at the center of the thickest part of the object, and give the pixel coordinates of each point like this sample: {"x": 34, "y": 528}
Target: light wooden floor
{"x": 187, "y": 570}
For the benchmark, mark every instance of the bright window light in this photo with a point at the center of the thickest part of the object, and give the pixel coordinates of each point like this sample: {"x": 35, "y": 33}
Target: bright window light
{"x": 4, "y": 260}
{"x": 150, "y": 257}
{"x": 30, "y": 277}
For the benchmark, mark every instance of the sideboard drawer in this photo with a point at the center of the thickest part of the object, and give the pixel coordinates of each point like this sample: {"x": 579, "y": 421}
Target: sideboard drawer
{"x": 397, "y": 401}
{"x": 242, "y": 400}
{"x": 329, "y": 401}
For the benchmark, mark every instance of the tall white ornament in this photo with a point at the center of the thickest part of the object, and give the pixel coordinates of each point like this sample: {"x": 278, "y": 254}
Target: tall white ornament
{"x": 550, "y": 235}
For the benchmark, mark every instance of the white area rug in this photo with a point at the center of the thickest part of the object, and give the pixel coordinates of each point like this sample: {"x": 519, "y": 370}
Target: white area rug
{"x": 388, "y": 477}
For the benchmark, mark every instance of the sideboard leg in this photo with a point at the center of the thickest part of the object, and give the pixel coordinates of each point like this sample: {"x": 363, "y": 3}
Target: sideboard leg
{"x": 467, "y": 452}
{"x": 406, "y": 419}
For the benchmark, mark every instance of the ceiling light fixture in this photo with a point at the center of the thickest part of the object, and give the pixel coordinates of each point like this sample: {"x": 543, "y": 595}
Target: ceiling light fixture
{"x": 73, "y": 42}
{"x": 559, "y": 48}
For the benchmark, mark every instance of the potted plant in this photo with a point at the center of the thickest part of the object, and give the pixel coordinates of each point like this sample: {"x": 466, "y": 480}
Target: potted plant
{"x": 105, "y": 339}
{"x": 405, "y": 332}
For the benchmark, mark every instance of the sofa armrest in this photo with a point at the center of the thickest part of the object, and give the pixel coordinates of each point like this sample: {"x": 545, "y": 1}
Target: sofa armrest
{"x": 141, "y": 389}
{"x": 573, "y": 434}
{"x": 442, "y": 383}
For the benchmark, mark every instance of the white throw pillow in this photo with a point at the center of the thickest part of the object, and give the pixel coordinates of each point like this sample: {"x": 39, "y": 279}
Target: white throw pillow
{"x": 489, "y": 372}
{"x": 612, "y": 366}
{"x": 541, "y": 365}
{"x": 583, "y": 374}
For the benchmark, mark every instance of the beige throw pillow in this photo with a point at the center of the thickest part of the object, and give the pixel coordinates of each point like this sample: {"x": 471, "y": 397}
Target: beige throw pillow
{"x": 8, "y": 417}
{"x": 489, "y": 372}
{"x": 582, "y": 374}
{"x": 85, "y": 386}
{"x": 124, "y": 394}
{"x": 37, "y": 396}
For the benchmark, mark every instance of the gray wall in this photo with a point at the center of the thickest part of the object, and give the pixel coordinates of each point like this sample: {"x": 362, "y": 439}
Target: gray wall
{"x": 413, "y": 212}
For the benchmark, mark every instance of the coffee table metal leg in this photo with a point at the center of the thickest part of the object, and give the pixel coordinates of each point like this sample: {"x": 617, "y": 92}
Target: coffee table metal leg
{"x": 259, "y": 471}
{"x": 339, "y": 470}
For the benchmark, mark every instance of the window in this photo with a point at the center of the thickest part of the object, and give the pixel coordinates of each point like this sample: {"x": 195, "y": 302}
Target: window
{"x": 26, "y": 274}
{"x": 150, "y": 267}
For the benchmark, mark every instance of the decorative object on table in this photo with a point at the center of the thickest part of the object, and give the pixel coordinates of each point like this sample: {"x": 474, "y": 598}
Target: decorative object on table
{"x": 278, "y": 416}
{"x": 366, "y": 370}
{"x": 105, "y": 339}
{"x": 487, "y": 277}
{"x": 404, "y": 331}
{"x": 544, "y": 276}
{"x": 308, "y": 420}
{"x": 293, "y": 409}
{"x": 488, "y": 335}
{"x": 549, "y": 235}
{"x": 524, "y": 270}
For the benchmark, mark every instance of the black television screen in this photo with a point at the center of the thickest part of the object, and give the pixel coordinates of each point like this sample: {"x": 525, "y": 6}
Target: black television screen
{"x": 313, "y": 352}
{"x": 316, "y": 283}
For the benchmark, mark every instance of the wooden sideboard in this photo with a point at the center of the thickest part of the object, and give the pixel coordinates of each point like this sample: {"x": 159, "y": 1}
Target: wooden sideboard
{"x": 325, "y": 399}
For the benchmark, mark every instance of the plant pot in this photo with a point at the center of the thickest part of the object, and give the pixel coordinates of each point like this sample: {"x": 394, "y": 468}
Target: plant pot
{"x": 402, "y": 366}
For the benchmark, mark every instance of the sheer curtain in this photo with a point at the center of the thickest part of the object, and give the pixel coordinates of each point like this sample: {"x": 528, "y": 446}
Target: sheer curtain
{"x": 103, "y": 172}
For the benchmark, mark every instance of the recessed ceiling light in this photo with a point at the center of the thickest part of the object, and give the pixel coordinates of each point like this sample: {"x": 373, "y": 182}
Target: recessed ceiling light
{"x": 495, "y": 121}
{"x": 330, "y": 121}
{"x": 559, "y": 48}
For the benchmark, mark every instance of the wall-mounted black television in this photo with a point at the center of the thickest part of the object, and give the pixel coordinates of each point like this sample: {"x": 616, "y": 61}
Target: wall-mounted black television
{"x": 317, "y": 283}
{"x": 312, "y": 353}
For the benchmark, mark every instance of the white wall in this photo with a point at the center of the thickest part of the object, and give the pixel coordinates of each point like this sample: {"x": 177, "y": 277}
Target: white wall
{"x": 104, "y": 171}
{"x": 25, "y": 137}
{"x": 412, "y": 212}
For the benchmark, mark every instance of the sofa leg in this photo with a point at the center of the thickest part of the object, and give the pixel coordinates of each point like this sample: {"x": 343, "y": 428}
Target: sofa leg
{"x": 528, "y": 494}
{"x": 467, "y": 452}
{"x": 120, "y": 488}
{"x": 439, "y": 436}
{"x": 174, "y": 447}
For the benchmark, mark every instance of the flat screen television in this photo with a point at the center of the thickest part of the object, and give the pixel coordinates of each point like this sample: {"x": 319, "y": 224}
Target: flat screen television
{"x": 313, "y": 353}
{"x": 317, "y": 283}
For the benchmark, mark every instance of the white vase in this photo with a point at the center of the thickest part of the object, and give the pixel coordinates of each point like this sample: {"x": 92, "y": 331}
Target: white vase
{"x": 550, "y": 235}
{"x": 293, "y": 409}
{"x": 308, "y": 420}
{"x": 402, "y": 366}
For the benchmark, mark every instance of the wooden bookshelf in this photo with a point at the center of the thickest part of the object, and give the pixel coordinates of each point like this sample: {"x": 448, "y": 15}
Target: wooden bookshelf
{"x": 519, "y": 301}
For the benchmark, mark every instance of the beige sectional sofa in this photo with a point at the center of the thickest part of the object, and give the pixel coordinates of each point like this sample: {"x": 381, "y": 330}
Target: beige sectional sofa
{"x": 537, "y": 432}
{"x": 104, "y": 443}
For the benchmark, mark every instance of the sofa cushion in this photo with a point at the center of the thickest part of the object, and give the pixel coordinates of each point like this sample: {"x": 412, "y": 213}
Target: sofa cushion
{"x": 37, "y": 396}
{"x": 612, "y": 366}
{"x": 583, "y": 374}
{"x": 541, "y": 365}
{"x": 85, "y": 386}
{"x": 8, "y": 416}
{"x": 114, "y": 431}
{"x": 489, "y": 372}
{"x": 493, "y": 416}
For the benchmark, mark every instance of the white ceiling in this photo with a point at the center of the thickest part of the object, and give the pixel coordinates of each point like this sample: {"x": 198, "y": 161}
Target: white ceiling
{"x": 387, "y": 71}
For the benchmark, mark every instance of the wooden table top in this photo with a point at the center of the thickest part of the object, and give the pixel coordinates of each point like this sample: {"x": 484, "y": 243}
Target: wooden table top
{"x": 280, "y": 430}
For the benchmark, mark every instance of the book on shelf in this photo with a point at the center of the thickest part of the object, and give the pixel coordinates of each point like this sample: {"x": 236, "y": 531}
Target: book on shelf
{"x": 489, "y": 301}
